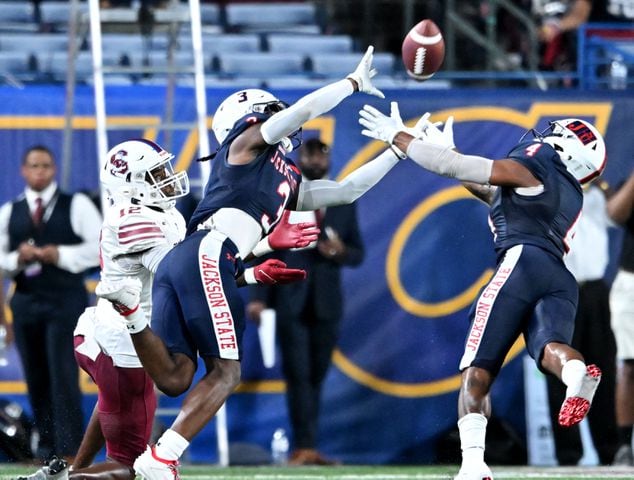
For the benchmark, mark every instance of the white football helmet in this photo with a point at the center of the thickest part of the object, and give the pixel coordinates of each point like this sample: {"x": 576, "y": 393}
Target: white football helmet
{"x": 141, "y": 171}
{"x": 580, "y": 147}
{"x": 241, "y": 103}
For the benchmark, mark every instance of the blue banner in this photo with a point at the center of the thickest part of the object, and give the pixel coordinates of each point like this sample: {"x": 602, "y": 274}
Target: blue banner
{"x": 391, "y": 393}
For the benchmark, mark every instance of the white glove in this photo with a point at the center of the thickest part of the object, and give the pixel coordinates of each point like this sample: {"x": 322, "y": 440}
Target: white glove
{"x": 430, "y": 132}
{"x": 384, "y": 128}
{"x": 125, "y": 296}
{"x": 381, "y": 127}
{"x": 364, "y": 73}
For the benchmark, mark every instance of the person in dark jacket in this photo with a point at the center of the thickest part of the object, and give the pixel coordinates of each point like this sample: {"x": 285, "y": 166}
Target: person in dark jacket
{"x": 309, "y": 313}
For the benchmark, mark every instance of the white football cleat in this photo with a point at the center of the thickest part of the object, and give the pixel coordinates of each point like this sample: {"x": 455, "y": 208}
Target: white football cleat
{"x": 479, "y": 471}
{"x": 579, "y": 398}
{"x": 151, "y": 467}
{"x": 124, "y": 294}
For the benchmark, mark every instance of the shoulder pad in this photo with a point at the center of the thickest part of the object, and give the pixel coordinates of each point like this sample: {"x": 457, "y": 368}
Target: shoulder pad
{"x": 136, "y": 228}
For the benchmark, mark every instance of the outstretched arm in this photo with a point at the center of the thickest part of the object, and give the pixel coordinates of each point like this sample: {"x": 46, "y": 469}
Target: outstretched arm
{"x": 321, "y": 101}
{"x": 443, "y": 159}
{"x": 317, "y": 194}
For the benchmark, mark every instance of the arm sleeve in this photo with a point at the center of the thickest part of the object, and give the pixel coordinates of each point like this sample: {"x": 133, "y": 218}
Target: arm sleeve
{"x": 150, "y": 259}
{"x": 308, "y": 107}
{"x": 325, "y": 193}
{"x": 86, "y": 223}
{"x": 8, "y": 259}
{"x": 447, "y": 162}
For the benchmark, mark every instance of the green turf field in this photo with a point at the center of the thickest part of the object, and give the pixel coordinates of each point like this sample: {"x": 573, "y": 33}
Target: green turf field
{"x": 372, "y": 473}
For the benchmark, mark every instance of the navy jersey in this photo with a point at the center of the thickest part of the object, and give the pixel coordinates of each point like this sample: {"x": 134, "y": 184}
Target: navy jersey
{"x": 546, "y": 220}
{"x": 262, "y": 188}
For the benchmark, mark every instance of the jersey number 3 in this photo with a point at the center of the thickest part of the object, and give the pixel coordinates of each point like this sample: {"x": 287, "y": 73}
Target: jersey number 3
{"x": 284, "y": 191}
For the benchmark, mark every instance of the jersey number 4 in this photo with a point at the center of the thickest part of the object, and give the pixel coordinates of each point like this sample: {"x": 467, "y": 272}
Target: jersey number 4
{"x": 532, "y": 149}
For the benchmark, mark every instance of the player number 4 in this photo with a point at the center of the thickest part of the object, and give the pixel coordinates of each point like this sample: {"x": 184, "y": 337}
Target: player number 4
{"x": 531, "y": 150}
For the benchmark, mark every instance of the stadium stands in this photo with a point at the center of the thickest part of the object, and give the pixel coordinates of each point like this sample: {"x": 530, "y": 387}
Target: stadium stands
{"x": 55, "y": 68}
{"x": 308, "y": 44}
{"x": 275, "y": 43}
{"x": 329, "y": 65}
{"x": 55, "y": 15}
{"x": 228, "y": 42}
{"x": 300, "y": 17}
{"x": 260, "y": 64}
{"x": 33, "y": 43}
{"x": 20, "y": 66}
{"x": 18, "y": 17}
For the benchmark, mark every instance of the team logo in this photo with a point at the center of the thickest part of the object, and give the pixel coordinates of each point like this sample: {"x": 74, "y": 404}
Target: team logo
{"x": 118, "y": 163}
{"x": 582, "y": 132}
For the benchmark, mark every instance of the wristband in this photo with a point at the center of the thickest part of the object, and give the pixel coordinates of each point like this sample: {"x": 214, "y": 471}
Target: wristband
{"x": 262, "y": 248}
{"x": 136, "y": 321}
{"x": 398, "y": 152}
{"x": 249, "y": 276}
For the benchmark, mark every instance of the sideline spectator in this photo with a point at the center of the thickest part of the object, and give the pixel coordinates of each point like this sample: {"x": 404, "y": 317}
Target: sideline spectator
{"x": 559, "y": 32}
{"x": 593, "y": 337}
{"x": 309, "y": 313}
{"x": 621, "y": 210}
{"x": 48, "y": 238}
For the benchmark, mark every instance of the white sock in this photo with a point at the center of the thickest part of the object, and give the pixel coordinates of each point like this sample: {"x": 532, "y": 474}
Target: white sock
{"x": 572, "y": 375}
{"x": 171, "y": 445}
{"x": 472, "y": 427}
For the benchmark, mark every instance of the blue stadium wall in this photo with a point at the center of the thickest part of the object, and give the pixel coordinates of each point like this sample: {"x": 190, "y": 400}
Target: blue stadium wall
{"x": 392, "y": 390}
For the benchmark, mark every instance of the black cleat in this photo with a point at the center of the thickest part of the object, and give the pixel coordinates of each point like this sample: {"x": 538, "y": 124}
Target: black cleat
{"x": 55, "y": 469}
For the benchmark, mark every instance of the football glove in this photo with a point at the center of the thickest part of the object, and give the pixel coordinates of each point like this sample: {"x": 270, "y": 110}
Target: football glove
{"x": 431, "y": 132}
{"x": 292, "y": 235}
{"x": 364, "y": 73}
{"x": 125, "y": 296}
{"x": 271, "y": 272}
{"x": 384, "y": 128}
{"x": 287, "y": 235}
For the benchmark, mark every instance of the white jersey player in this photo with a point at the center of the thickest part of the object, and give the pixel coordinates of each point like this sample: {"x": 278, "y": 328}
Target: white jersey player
{"x": 140, "y": 226}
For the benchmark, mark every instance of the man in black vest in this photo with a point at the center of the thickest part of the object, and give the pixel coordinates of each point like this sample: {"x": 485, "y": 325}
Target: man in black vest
{"x": 48, "y": 238}
{"x": 621, "y": 211}
{"x": 309, "y": 312}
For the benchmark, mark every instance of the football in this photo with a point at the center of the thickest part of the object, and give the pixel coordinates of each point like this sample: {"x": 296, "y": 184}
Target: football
{"x": 423, "y": 50}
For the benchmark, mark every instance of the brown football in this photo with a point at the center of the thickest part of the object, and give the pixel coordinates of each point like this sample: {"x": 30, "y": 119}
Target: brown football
{"x": 423, "y": 50}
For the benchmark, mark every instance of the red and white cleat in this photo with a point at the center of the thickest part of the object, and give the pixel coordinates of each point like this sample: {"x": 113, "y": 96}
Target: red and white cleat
{"x": 579, "y": 398}
{"x": 151, "y": 467}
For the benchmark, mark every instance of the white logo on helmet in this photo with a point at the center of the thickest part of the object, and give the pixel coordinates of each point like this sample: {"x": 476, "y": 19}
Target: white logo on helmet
{"x": 140, "y": 170}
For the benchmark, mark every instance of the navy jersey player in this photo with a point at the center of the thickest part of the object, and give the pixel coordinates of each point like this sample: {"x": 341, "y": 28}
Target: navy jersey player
{"x": 536, "y": 199}
{"x": 197, "y": 309}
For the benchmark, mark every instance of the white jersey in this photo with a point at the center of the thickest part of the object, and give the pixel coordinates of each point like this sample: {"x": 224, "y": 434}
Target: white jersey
{"x": 134, "y": 239}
